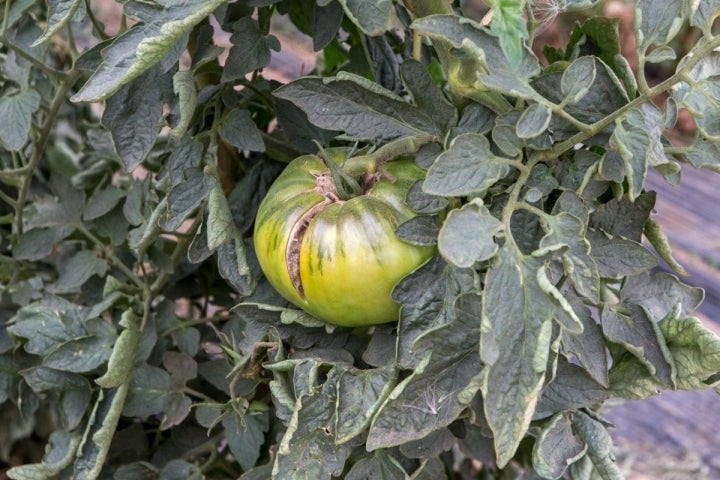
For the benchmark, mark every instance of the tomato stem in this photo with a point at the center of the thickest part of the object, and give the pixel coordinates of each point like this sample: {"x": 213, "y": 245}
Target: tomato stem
{"x": 373, "y": 162}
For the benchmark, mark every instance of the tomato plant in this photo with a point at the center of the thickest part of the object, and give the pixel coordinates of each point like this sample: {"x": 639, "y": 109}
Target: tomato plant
{"x": 192, "y": 226}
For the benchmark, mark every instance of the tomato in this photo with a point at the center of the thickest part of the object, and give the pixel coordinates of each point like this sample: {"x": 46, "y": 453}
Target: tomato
{"x": 338, "y": 259}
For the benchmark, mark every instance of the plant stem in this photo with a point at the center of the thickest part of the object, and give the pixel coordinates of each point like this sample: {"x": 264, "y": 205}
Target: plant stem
{"x": 111, "y": 255}
{"x": 40, "y": 144}
{"x": 645, "y": 97}
{"x": 181, "y": 247}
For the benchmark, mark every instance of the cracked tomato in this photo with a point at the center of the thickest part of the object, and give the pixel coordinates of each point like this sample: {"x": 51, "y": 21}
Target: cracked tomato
{"x": 338, "y": 259}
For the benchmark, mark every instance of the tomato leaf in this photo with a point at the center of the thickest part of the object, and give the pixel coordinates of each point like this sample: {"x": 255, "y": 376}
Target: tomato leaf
{"x": 467, "y": 236}
{"x": 427, "y": 96}
{"x": 430, "y": 398}
{"x": 250, "y": 50}
{"x": 379, "y": 465}
{"x": 60, "y": 13}
{"x": 508, "y": 24}
{"x": 370, "y": 16}
{"x": 567, "y": 229}
{"x": 589, "y": 346}
{"x": 557, "y": 447}
{"x": 133, "y": 115}
{"x": 570, "y": 389}
{"x": 519, "y": 307}
{"x": 507, "y": 76}
{"x": 616, "y": 257}
{"x": 246, "y": 435}
{"x": 699, "y": 95}
{"x": 240, "y": 130}
{"x": 657, "y": 23}
{"x": 533, "y": 121}
{"x": 144, "y": 45}
{"x": 703, "y": 15}
{"x": 358, "y": 107}
{"x": 149, "y": 391}
{"x": 306, "y": 450}
{"x": 577, "y": 79}
{"x": 599, "y": 445}
{"x": 467, "y": 167}
{"x": 16, "y": 117}
{"x": 421, "y": 312}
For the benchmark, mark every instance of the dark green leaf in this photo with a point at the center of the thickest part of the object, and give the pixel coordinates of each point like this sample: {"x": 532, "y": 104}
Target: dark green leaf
{"x": 359, "y": 395}
{"x": 233, "y": 266}
{"x": 605, "y": 95}
{"x": 519, "y": 306}
{"x": 149, "y": 391}
{"x": 8, "y": 378}
{"x": 246, "y": 436}
{"x": 641, "y": 336}
{"x": 660, "y": 294}
{"x": 185, "y": 197}
{"x": 181, "y": 470}
{"x": 427, "y": 96}
{"x": 571, "y": 389}
{"x": 16, "y": 117}
{"x": 420, "y": 230}
{"x": 380, "y": 465}
{"x": 133, "y": 115}
{"x": 101, "y": 202}
{"x": 467, "y": 236}
{"x": 80, "y": 355}
{"x": 370, "y": 16}
{"x": 78, "y": 270}
{"x": 240, "y": 130}
{"x": 467, "y": 167}
{"x": 431, "y": 446}
{"x": 328, "y": 19}
{"x": 358, "y": 107}
{"x": 423, "y": 202}
{"x": 599, "y": 445}
{"x": 307, "y": 450}
{"x": 430, "y": 398}
{"x": 250, "y": 50}
{"x": 144, "y": 45}
{"x": 617, "y": 257}
{"x": 589, "y": 346}
{"x": 623, "y": 217}
{"x": 421, "y": 312}
{"x": 40, "y": 242}
{"x": 556, "y": 447}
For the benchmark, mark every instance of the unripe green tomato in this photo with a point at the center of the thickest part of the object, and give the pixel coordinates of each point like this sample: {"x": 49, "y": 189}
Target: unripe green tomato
{"x": 338, "y": 259}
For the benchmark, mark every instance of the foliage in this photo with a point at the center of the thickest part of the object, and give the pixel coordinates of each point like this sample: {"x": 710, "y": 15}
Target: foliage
{"x": 139, "y": 338}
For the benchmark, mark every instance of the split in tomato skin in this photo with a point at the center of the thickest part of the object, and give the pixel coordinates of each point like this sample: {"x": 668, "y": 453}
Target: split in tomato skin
{"x": 338, "y": 259}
